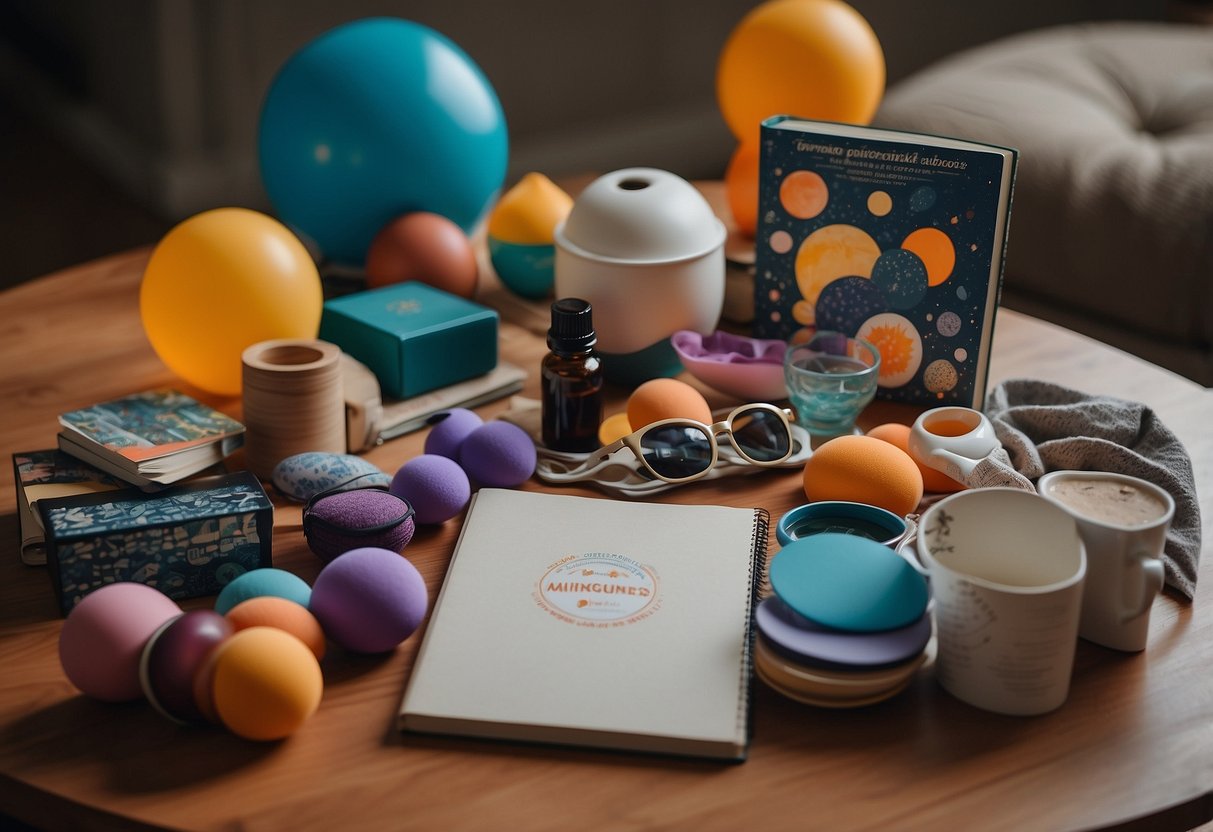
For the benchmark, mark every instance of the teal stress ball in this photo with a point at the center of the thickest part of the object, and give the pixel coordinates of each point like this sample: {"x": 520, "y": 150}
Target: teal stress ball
{"x": 848, "y": 583}
{"x": 266, "y": 581}
{"x": 374, "y": 119}
{"x": 521, "y": 235}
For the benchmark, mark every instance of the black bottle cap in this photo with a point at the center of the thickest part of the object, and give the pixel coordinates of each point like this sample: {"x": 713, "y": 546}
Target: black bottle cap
{"x": 572, "y": 327}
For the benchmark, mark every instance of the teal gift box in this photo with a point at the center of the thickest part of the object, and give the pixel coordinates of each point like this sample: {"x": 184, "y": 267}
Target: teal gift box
{"x": 413, "y": 337}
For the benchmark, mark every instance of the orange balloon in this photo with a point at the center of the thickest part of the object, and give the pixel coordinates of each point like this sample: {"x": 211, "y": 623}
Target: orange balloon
{"x": 220, "y": 282}
{"x": 741, "y": 186}
{"x": 809, "y": 58}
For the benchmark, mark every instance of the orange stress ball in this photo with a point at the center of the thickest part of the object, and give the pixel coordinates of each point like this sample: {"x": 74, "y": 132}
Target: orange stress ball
{"x": 863, "y": 469}
{"x": 265, "y": 683}
{"x": 666, "y": 398}
{"x": 425, "y": 247}
{"x": 899, "y": 436}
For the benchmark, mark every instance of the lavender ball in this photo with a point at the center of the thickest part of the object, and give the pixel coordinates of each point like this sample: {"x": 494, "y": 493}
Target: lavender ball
{"x": 355, "y": 519}
{"x": 499, "y": 454}
{"x": 436, "y": 487}
{"x": 369, "y": 600}
{"x": 449, "y": 430}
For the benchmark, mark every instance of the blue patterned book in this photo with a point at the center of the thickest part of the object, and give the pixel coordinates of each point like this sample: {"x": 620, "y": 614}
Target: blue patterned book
{"x": 152, "y": 438}
{"x": 897, "y": 238}
{"x": 186, "y": 541}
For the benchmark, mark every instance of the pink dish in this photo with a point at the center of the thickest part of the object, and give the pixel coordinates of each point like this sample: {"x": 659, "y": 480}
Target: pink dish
{"x": 748, "y": 368}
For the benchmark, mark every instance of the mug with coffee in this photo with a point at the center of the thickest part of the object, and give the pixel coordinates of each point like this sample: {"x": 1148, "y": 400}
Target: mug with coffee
{"x": 1123, "y": 521}
{"x": 1006, "y": 569}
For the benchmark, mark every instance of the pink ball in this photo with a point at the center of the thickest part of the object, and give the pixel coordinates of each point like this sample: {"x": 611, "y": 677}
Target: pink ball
{"x": 436, "y": 487}
{"x": 499, "y": 455}
{"x": 103, "y": 638}
{"x": 449, "y": 430}
{"x": 369, "y": 600}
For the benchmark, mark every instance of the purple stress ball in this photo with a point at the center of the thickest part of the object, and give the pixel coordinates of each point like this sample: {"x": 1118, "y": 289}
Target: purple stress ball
{"x": 336, "y": 523}
{"x": 449, "y": 430}
{"x": 174, "y": 656}
{"x": 369, "y": 600}
{"x": 436, "y": 487}
{"x": 102, "y": 640}
{"x": 499, "y": 454}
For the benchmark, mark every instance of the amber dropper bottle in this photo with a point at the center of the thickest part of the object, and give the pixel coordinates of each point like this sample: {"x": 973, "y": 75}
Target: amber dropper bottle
{"x": 571, "y": 379}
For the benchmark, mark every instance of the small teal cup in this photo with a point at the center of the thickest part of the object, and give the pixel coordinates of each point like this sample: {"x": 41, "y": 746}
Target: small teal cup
{"x": 840, "y": 517}
{"x": 831, "y": 378}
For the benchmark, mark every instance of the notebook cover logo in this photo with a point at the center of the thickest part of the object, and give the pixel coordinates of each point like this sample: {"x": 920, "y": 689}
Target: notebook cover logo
{"x": 598, "y": 589}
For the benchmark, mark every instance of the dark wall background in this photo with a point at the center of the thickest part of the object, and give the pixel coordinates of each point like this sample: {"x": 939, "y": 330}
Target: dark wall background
{"x": 118, "y": 119}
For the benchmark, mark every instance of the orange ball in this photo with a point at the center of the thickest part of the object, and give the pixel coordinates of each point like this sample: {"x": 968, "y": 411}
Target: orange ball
{"x": 426, "y": 247}
{"x": 266, "y": 683}
{"x": 282, "y": 613}
{"x": 863, "y": 469}
{"x": 666, "y": 398}
{"x": 741, "y": 187}
{"x": 809, "y": 58}
{"x": 933, "y": 480}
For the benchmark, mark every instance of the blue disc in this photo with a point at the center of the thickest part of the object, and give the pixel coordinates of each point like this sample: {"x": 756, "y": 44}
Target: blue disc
{"x": 848, "y": 583}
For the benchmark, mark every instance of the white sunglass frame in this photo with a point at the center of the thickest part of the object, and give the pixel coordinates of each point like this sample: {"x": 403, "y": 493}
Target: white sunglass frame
{"x": 725, "y": 426}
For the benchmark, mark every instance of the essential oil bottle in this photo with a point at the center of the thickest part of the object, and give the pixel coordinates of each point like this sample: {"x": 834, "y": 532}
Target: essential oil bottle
{"x": 571, "y": 379}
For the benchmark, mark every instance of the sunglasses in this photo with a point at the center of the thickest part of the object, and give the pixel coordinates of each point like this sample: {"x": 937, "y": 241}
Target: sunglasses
{"x": 680, "y": 450}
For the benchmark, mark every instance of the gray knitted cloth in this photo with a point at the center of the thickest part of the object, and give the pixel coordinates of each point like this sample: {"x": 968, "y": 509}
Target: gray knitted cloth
{"x": 1045, "y": 427}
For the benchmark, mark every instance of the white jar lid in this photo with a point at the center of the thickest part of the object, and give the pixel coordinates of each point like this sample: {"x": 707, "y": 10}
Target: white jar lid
{"x": 641, "y": 215}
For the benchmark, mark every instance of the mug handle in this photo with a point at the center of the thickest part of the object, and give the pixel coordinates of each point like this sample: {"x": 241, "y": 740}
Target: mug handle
{"x": 1152, "y": 575}
{"x": 903, "y": 545}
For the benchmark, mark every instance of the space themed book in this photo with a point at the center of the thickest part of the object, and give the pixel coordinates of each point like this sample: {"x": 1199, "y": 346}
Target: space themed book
{"x": 897, "y": 238}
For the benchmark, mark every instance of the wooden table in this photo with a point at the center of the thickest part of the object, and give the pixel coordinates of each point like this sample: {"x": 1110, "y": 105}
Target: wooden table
{"x": 1133, "y": 742}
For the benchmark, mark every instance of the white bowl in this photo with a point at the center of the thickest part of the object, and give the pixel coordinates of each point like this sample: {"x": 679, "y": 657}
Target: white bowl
{"x": 646, "y": 250}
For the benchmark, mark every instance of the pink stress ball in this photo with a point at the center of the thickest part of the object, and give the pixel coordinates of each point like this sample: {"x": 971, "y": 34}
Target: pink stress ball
{"x": 436, "y": 488}
{"x": 499, "y": 455}
{"x": 102, "y": 640}
{"x": 426, "y": 247}
{"x": 369, "y": 600}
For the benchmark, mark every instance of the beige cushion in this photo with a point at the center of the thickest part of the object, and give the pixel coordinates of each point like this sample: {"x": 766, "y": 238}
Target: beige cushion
{"x": 1113, "y": 207}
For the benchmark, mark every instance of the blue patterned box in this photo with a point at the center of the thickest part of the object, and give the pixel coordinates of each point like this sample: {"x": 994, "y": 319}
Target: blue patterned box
{"x": 414, "y": 338}
{"x": 186, "y": 541}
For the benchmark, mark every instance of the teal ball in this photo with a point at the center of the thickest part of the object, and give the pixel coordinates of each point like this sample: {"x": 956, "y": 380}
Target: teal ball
{"x": 266, "y": 581}
{"x": 526, "y": 270}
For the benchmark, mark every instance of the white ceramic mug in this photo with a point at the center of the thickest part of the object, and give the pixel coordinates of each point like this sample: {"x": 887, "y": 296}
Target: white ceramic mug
{"x": 1123, "y": 521}
{"x": 952, "y": 440}
{"x": 1006, "y": 569}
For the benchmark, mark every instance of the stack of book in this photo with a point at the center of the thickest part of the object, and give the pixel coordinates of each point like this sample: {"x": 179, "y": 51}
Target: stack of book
{"x": 146, "y": 440}
{"x": 150, "y": 439}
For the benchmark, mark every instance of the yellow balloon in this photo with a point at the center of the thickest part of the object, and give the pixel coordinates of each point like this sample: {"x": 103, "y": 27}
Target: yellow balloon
{"x": 809, "y": 58}
{"x": 221, "y": 281}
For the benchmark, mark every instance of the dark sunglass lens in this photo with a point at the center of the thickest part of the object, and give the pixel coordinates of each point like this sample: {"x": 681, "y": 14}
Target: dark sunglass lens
{"x": 761, "y": 435}
{"x": 677, "y": 451}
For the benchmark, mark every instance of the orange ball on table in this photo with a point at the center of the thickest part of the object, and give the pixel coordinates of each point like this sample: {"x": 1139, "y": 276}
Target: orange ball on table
{"x": 863, "y": 469}
{"x": 265, "y": 683}
{"x": 898, "y": 435}
{"x": 425, "y": 247}
{"x": 282, "y": 613}
{"x": 666, "y": 398}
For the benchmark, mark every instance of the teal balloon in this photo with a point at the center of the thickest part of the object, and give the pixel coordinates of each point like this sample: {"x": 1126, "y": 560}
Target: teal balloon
{"x": 374, "y": 119}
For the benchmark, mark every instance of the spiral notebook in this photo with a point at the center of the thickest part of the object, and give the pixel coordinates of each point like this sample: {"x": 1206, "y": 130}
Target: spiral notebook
{"x": 594, "y": 622}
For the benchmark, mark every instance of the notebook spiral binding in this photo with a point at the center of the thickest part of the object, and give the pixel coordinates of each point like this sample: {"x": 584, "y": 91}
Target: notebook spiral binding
{"x": 758, "y": 572}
